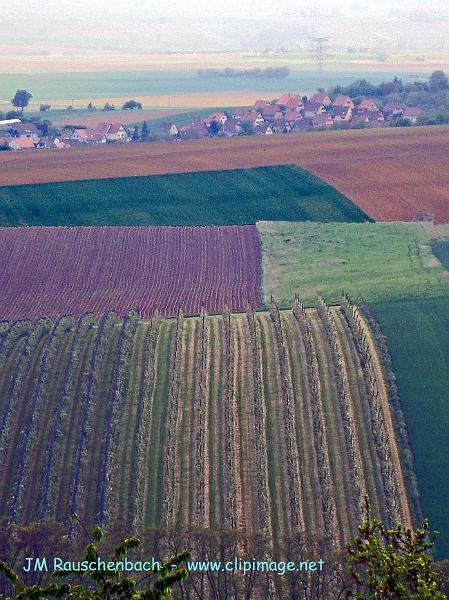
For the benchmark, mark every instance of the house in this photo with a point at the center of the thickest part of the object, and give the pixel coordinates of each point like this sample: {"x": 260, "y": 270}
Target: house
{"x": 295, "y": 104}
{"x": 301, "y": 125}
{"x": 217, "y": 117}
{"x": 25, "y": 130}
{"x": 343, "y": 101}
{"x": 324, "y": 120}
{"x": 231, "y": 127}
{"x": 169, "y": 129}
{"x": 412, "y": 114}
{"x": 272, "y": 112}
{"x": 291, "y": 116}
{"x": 45, "y": 143}
{"x": 281, "y": 126}
{"x": 342, "y": 113}
{"x": 290, "y": 101}
{"x": 252, "y": 116}
{"x": 22, "y": 143}
{"x": 374, "y": 116}
{"x": 261, "y": 104}
{"x": 392, "y": 109}
{"x": 113, "y": 132}
{"x": 264, "y": 129}
{"x": 321, "y": 98}
{"x": 367, "y": 104}
{"x": 88, "y": 136}
{"x": 195, "y": 130}
{"x": 312, "y": 109}
{"x": 359, "y": 119}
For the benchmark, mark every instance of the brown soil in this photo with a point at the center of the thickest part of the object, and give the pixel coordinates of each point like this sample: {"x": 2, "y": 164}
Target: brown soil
{"x": 123, "y": 117}
{"x": 389, "y": 173}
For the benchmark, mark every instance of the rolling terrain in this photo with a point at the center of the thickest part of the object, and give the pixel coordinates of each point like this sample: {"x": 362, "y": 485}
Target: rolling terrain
{"x": 390, "y": 173}
{"x": 279, "y": 422}
{"x": 236, "y": 197}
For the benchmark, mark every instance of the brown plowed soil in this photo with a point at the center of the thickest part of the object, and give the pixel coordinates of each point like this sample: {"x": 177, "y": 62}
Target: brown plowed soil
{"x": 390, "y": 173}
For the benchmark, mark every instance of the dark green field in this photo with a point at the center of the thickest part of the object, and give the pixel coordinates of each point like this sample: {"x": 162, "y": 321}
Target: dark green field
{"x": 234, "y": 197}
{"x": 418, "y": 338}
{"x": 441, "y": 251}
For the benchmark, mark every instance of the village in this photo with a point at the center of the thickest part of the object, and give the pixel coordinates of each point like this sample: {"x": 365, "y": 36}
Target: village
{"x": 291, "y": 113}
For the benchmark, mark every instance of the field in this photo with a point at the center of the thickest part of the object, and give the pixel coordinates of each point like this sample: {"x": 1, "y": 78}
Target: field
{"x": 441, "y": 251}
{"x": 172, "y": 87}
{"x": 270, "y": 418}
{"x": 378, "y": 170}
{"x": 378, "y": 261}
{"x": 206, "y": 198}
{"x": 417, "y": 334}
{"x": 56, "y": 271}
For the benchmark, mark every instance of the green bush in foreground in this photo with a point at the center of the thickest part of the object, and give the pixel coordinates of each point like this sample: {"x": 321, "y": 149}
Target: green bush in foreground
{"x": 107, "y": 583}
{"x": 392, "y": 564}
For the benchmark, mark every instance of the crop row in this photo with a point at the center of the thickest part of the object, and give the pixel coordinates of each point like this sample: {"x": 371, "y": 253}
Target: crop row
{"x": 151, "y": 269}
{"x": 225, "y": 422}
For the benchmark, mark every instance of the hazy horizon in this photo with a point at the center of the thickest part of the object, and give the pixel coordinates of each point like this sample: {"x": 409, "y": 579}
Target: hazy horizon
{"x": 144, "y": 25}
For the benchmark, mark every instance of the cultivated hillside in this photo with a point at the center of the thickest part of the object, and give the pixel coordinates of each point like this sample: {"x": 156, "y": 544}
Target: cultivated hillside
{"x": 271, "y": 422}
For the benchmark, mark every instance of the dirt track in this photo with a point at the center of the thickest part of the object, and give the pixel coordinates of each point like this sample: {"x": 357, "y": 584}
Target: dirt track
{"x": 390, "y": 173}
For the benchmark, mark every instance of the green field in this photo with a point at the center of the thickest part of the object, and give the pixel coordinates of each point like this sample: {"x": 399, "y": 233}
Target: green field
{"x": 206, "y": 198}
{"x": 65, "y": 88}
{"x": 378, "y": 261}
{"x": 441, "y": 251}
{"x": 417, "y": 334}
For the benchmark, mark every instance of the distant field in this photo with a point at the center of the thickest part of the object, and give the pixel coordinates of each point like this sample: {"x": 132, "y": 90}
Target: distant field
{"x": 390, "y": 173}
{"x": 378, "y": 261}
{"x": 418, "y": 338}
{"x": 54, "y": 271}
{"x": 207, "y": 198}
{"x": 125, "y": 117}
{"x": 164, "y": 84}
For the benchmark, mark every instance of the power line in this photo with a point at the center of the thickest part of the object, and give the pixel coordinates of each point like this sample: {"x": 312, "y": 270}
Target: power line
{"x": 320, "y": 48}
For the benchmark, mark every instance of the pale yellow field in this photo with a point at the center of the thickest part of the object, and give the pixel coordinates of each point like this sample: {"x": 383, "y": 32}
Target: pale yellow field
{"x": 30, "y": 60}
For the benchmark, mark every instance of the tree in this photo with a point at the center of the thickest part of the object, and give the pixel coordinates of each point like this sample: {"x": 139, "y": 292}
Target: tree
{"x": 44, "y": 107}
{"x": 392, "y": 564}
{"x": 108, "y": 106}
{"x": 104, "y": 580}
{"x": 135, "y": 136}
{"x": 247, "y": 128}
{"x": 214, "y": 128}
{"x": 145, "y": 136}
{"x": 90, "y": 107}
{"x": 438, "y": 82}
{"x": 21, "y": 99}
{"x": 132, "y": 105}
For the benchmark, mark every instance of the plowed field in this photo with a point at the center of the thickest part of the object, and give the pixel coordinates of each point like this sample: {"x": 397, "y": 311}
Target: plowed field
{"x": 59, "y": 270}
{"x": 390, "y": 173}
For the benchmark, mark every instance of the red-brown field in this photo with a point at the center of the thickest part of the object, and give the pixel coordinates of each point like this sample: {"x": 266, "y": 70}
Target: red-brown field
{"x": 389, "y": 173}
{"x": 57, "y": 270}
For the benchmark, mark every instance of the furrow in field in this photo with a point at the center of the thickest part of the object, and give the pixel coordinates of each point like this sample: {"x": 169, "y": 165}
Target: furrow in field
{"x": 288, "y": 423}
{"x": 257, "y": 413}
{"x": 341, "y": 484}
{"x": 369, "y": 458}
{"x": 173, "y": 417}
{"x": 46, "y": 413}
{"x": 154, "y": 460}
{"x": 275, "y": 447}
{"x": 305, "y": 439}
